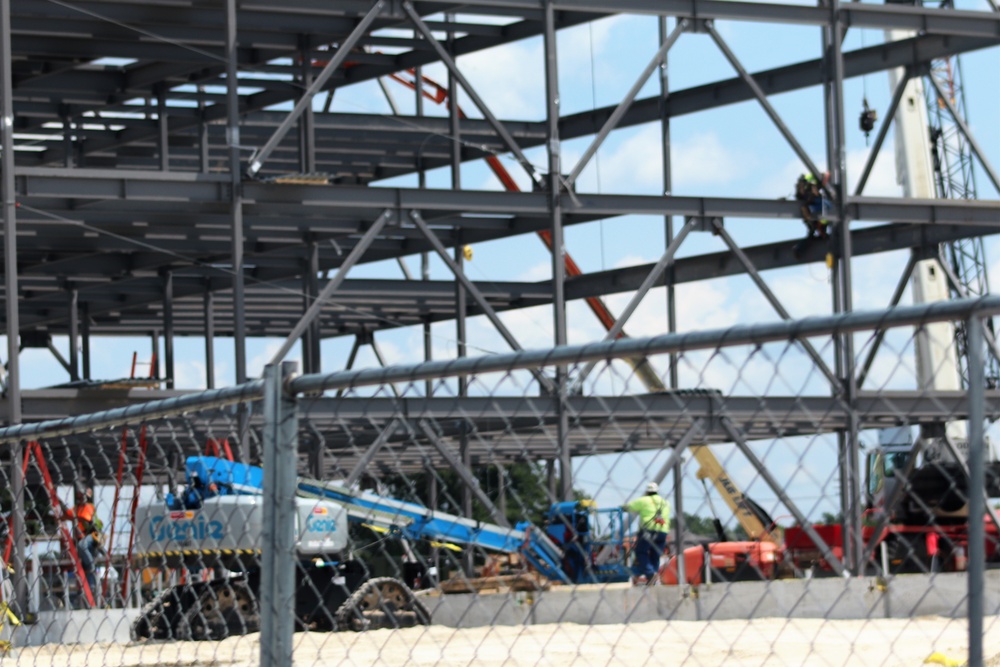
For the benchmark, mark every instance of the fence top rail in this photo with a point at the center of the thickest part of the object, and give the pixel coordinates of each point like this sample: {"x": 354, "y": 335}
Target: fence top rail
{"x": 212, "y": 398}
{"x": 745, "y": 334}
{"x": 741, "y": 334}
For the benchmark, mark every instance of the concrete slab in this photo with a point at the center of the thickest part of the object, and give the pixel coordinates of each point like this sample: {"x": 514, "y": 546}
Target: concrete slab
{"x": 904, "y": 596}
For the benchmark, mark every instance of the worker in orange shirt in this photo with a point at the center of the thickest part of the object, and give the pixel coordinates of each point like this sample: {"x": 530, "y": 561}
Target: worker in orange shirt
{"x": 87, "y": 534}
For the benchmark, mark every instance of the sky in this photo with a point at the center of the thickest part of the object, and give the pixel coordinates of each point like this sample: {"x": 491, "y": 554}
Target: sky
{"x": 734, "y": 151}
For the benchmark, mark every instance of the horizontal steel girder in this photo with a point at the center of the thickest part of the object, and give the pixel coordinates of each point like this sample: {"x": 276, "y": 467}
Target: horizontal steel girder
{"x": 510, "y": 429}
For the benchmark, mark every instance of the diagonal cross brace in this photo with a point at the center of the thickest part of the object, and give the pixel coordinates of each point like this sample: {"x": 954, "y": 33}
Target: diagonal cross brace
{"x": 949, "y": 271}
{"x": 762, "y": 470}
{"x": 264, "y": 152}
{"x": 897, "y": 96}
{"x": 464, "y": 473}
{"x": 335, "y": 282}
{"x": 625, "y": 104}
{"x": 654, "y": 274}
{"x": 449, "y": 62}
{"x": 762, "y": 98}
{"x": 697, "y": 428}
{"x": 369, "y": 455}
{"x": 773, "y": 300}
{"x": 477, "y": 296}
{"x": 904, "y": 278}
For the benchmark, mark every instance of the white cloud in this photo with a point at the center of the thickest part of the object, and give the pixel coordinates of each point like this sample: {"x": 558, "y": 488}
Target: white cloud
{"x": 635, "y": 164}
{"x": 492, "y": 72}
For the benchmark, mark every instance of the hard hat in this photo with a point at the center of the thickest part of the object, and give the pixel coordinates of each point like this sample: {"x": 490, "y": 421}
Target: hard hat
{"x": 652, "y": 487}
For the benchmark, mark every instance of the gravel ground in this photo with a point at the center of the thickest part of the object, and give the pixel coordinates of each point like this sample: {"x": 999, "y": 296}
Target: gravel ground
{"x": 882, "y": 642}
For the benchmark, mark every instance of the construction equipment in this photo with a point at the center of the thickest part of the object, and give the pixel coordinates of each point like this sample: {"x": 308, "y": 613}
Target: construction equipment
{"x": 216, "y": 524}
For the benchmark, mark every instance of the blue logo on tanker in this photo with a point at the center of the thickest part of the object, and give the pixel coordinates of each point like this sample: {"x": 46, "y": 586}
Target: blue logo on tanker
{"x": 321, "y": 524}
{"x": 160, "y": 530}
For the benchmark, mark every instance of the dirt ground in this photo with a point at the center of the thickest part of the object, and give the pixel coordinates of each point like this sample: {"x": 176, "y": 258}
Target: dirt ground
{"x": 882, "y": 642}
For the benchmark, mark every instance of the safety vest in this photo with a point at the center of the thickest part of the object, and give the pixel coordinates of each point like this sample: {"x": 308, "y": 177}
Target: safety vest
{"x": 653, "y": 511}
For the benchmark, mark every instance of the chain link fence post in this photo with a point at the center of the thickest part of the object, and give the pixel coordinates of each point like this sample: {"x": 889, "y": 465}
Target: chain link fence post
{"x": 277, "y": 589}
{"x": 977, "y": 491}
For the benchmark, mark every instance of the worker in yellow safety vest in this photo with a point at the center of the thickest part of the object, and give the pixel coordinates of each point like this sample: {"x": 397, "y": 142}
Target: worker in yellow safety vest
{"x": 650, "y": 543}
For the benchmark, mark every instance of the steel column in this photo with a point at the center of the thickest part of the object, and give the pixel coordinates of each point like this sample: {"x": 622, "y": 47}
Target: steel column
{"x": 310, "y": 288}
{"x": 236, "y": 201}
{"x": 168, "y": 328}
{"x": 163, "y": 127}
{"x": 977, "y": 489}
{"x": 85, "y": 339}
{"x": 679, "y": 528}
{"x": 765, "y": 474}
{"x": 203, "y": 144}
{"x": 317, "y": 306}
{"x": 13, "y": 389}
{"x": 344, "y": 49}
{"x": 278, "y": 557}
{"x": 668, "y": 221}
{"x": 74, "y": 334}
{"x": 307, "y": 124}
{"x": 773, "y": 300}
{"x": 558, "y": 250}
{"x": 209, "y": 338}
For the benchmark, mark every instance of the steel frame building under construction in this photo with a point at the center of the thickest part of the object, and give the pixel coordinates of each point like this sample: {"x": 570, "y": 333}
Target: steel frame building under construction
{"x": 173, "y": 169}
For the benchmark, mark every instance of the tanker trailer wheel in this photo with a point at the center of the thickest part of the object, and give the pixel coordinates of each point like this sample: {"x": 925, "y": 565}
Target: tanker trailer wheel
{"x": 382, "y": 603}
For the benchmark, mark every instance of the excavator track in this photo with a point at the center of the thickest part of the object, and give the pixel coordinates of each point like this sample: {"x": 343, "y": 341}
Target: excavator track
{"x": 205, "y": 610}
{"x": 383, "y": 602}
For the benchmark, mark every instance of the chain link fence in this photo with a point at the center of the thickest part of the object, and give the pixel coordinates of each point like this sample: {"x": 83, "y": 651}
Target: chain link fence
{"x": 544, "y": 507}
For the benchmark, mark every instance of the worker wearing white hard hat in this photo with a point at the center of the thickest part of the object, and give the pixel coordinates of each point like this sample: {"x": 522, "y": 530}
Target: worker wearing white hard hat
{"x": 650, "y": 543}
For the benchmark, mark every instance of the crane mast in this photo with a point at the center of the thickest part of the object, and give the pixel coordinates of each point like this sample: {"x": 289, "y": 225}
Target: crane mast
{"x": 936, "y": 355}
